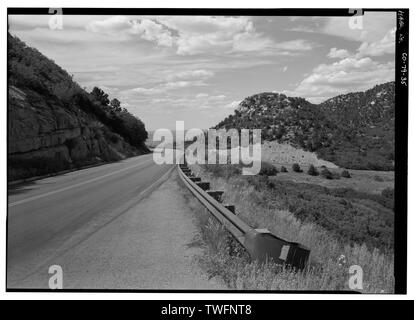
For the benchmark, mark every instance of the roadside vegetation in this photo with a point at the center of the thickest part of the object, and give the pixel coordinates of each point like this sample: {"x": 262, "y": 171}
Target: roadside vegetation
{"x": 342, "y": 227}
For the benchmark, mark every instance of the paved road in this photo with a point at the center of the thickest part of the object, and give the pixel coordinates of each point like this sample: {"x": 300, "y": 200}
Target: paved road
{"x": 53, "y": 217}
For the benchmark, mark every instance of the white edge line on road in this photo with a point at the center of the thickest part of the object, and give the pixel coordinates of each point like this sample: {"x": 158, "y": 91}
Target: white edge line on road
{"x": 156, "y": 182}
{"x": 49, "y": 260}
{"x": 74, "y": 185}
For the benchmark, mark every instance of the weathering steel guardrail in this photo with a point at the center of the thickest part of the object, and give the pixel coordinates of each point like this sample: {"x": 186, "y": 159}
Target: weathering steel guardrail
{"x": 259, "y": 243}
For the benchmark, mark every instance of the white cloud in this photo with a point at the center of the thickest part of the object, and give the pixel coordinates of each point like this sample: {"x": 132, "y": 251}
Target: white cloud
{"x": 294, "y": 45}
{"x": 346, "y": 75}
{"x": 378, "y": 48}
{"x": 207, "y": 97}
{"x": 232, "y": 105}
{"x": 111, "y": 25}
{"x": 152, "y": 31}
{"x": 201, "y": 95}
{"x": 338, "y": 53}
{"x": 306, "y": 29}
{"x": 195, "y": 25}
{"x": 146, "y": 29}
{"x": 191, "y": 74}
{"x": 166, "y": 86}
{"x": 182, "y": 84}
{"x": 218, "y": 97}
{"x": 200, "y": 34}
{"x": 28, "y": 22}
{"x": 160, "y": 100}
{"x": 173, "y": 60}
{"x": 250, "y": 40}
{"x": 147, "y": 91}
{"x": 191, "y": 35}
{"x": 376, "y": 35}
{"x": 351, "y": 71}
{"x": 66, "y": 36}
{"x": 374, "y": 26}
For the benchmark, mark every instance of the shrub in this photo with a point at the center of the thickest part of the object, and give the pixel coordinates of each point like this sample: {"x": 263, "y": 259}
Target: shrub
{"x": 351, "y": 216}
{"x": 283, "y": 169}
{"x": 388, "y": 193}
{"x": 346, "y": 174}
{"x": 259, "y": 183}
{"x": 327, "y": 174}
{"x": 334, "y": 247}
{"x": 113, "y": 137}
{"x": 312, "y": 171}
{"x": 267, "y": 169}
{"x": 296, "y": 168}
{"x": 336, "y": 175}
{"x": 378, "y": 178}
{"x": 223, "y": 170}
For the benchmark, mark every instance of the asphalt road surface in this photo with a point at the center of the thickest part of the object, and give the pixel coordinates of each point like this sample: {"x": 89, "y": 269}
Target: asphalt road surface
{"x": 99, "y": 225}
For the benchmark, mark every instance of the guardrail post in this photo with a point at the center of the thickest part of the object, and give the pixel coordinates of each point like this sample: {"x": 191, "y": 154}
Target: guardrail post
{"x": 298, "y": 255}
{"x": 203, "y": 185}
{"x": 264, "y": 246}
{"x": 259, "y": 243}
{"x": 187, "y": 172}
{"x": 215, "y": 194}
{"x": 231, "y": 208}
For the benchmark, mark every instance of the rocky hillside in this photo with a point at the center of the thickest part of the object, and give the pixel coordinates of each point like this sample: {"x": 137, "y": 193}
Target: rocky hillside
{"x": 354, "y": 130}
{"x": 54, "y": 125}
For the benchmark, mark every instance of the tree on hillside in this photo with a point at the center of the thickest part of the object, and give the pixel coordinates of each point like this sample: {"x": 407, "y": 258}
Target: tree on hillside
{"x": 29, "y": 69}
{"x": 100, "y": 96}
{"x": 116, "y": 105}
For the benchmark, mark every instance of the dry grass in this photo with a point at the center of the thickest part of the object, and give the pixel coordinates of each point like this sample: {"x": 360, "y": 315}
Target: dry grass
{"x": 326, "y": 271}
{"x": 285, "y": 154}
{"x": 361, "y": 180}
{"x": 280, "y": 154}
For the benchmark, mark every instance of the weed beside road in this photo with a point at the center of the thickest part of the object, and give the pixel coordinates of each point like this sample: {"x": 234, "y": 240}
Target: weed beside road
{"x": 331, "y": 255}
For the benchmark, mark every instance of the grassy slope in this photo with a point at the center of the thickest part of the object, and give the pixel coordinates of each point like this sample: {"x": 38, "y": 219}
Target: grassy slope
{"x": 326, "y": 272}
{"x": 371, "y": 182}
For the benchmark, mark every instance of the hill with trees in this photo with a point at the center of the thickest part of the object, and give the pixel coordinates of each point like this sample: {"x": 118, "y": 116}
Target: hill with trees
{"x": 354, "y": 130}
{"x": 54, "y": 124}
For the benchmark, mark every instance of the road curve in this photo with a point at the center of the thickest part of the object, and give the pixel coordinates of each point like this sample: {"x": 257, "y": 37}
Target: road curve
{"x": 49, "y": 217}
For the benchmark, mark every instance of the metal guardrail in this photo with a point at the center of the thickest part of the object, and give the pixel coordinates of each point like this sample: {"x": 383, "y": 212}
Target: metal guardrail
{"x": 259, "y": 243}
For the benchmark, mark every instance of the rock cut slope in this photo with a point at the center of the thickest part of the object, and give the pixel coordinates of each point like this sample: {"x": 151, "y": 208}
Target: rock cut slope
{"x": 54, "y": 125}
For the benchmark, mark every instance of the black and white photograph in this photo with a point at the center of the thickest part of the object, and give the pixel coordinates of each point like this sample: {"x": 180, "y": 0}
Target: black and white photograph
{"x": 207, "y": 150}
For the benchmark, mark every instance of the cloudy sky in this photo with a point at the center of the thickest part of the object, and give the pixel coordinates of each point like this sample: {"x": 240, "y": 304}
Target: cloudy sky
{"x": 198, "y": 68}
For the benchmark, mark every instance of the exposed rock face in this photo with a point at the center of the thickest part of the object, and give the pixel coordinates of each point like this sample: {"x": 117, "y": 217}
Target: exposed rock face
{"x": 44, "y": 136}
